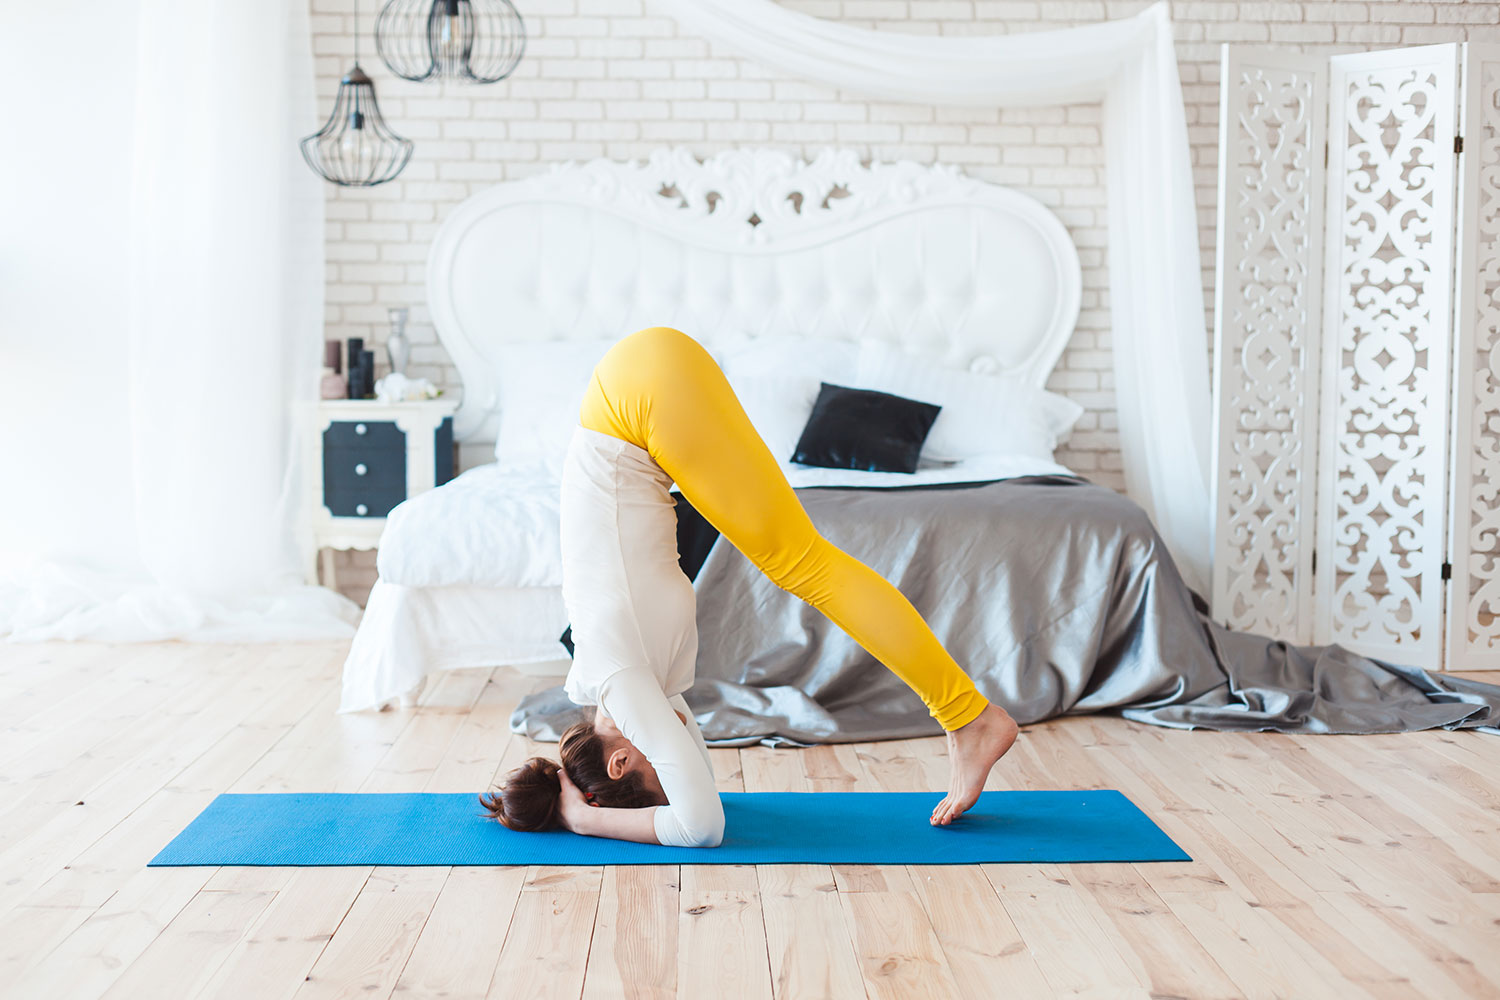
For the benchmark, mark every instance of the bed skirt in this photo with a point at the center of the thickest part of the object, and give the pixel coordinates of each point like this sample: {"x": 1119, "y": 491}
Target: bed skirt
{"x": 410, "y": 632}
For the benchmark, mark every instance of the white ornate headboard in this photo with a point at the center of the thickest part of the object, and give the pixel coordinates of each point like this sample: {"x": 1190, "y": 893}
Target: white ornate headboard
{"x": 752, "y": 242}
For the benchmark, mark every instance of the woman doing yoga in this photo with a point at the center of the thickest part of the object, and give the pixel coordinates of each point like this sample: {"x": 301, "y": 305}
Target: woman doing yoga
{"x": 658, "y": 410}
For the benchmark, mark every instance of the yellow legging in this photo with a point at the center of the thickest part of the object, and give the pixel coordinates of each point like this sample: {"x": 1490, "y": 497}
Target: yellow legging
{"x": 658, "y": 389}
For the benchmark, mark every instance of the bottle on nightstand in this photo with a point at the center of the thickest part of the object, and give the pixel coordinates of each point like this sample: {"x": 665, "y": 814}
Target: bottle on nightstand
{"x": 333, "y": 384}
{"x": 397, "y": 345}
{"x": 355, "y": 380}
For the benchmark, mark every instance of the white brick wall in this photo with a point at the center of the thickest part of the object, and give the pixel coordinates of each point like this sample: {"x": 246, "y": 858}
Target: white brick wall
{"x": 615, "y": 78}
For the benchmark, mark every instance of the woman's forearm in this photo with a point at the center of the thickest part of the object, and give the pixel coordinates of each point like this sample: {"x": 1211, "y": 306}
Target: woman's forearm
{"x": 665, "y": 736}
{"x": 638, "y": 825}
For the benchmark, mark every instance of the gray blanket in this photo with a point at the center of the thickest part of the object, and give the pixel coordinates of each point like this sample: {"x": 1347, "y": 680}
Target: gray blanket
{"x": 1056, "y": 595}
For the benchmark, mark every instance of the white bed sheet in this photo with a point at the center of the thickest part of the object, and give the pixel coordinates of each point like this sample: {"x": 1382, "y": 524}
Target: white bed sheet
{"x": 497, "y": 524}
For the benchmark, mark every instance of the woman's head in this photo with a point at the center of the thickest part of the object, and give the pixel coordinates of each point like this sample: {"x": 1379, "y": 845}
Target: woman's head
{"x": 606, "y": 767}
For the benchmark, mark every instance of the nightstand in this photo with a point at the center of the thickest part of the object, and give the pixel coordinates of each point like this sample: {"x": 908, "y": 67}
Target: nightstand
{"x": 363, "y": 457}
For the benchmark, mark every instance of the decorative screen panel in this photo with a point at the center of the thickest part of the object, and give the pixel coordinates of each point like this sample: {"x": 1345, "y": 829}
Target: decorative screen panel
{"x": 1474, "y": 597}
{"x": 1388, "y": 327}
{"x": 1266, "y": 330}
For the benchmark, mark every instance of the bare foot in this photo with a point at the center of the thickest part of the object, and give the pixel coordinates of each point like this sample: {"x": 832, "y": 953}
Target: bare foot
{"x": 972, "y": 750}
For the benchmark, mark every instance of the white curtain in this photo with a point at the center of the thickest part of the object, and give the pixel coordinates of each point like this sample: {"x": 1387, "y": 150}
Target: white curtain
{"x": 221, "y": 319}
{"x": 1156, "y": 296}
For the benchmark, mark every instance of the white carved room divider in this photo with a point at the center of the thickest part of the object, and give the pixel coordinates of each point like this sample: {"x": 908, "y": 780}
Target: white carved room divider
{"x": 1474, "y": 597}
{"x": 1348, "y": 345}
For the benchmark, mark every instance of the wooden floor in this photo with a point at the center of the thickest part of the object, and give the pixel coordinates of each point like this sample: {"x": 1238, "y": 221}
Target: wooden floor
{"x": 1325, "y": 866}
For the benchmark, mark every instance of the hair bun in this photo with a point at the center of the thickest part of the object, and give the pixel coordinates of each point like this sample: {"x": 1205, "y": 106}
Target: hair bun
{"x": 528, "y": 800}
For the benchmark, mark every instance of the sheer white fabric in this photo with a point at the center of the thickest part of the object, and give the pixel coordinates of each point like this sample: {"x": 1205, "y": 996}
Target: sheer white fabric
{"x": 1156, "y": 296}
{"x": 225, "y": 283}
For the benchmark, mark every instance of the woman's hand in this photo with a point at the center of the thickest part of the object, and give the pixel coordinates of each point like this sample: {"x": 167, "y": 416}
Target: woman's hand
{"x": 572, "y": 807}
{"x": 593, "y": 820}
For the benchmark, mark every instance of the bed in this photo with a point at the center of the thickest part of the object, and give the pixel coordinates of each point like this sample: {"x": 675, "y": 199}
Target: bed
{"x": 1056, "y": 594}
{"x": 895, "y": 275}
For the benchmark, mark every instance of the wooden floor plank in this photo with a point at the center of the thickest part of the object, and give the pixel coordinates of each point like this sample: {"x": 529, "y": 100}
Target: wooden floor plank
{"x": 1235, "y": 782}
{"x": 833, "y": 767}
{"x": 633, "y": 954}
{"x": 59, "y": 678}
{"x": 1163, "y": 954}
{"x": 53, "y": 773}
{"x": 1442, "y": 810}
{"x": 588, "y": 879}
{"x": 721, "y": 934}
{"x": 1074, "y": 952}
{"x": 1472, "y": 749}
{"x": 93, "y": 957}
{"x": 60, "y": 904}
{"x": 898, "y": 952}
{"x": 765, "y": 768}
{"x": 473, "y": 757}
{"x": 728, "y": 776}
{"x": 807, "y": 936}
{"x": 275, "y": 956}
{"x": 1425, "y": 831}
{"x": 184, "y": 737}
{"x": 1289, "y": 909}
{"x": 325, "y": 751}
{"x": 1259, "y": 878}
{"x": 368, "y": 952}
{"x": 60, "y": 683}
{"x": 1475, "y": 786}
{"x": 547, "y": 948}
{"x": 412, "y": 759}
{"x": 188, "y": 952}
{"x": 459, "y": 946}
{"x": 985, "y": 952}
{"x": 901, "y": 766}
{"x": 808, "y": 942}
{"x": 1421, "y": 957}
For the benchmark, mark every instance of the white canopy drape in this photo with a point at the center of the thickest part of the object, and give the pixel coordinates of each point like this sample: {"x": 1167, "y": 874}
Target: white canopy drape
{"x": 187, "y": 439}
{"x": 1156, "y": 296}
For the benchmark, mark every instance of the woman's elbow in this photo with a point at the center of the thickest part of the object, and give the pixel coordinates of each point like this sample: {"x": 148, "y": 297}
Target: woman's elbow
{"x": 709, "y": 838}
{"x": 709, "y": 832}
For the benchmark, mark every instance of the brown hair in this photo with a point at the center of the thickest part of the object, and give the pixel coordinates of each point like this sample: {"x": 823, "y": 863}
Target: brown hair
{"x": 529, "y": 798}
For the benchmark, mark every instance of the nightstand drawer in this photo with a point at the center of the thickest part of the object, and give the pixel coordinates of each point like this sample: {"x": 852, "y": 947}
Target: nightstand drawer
{"x": 371, "y": 436}
{"x": 360, "y": 483}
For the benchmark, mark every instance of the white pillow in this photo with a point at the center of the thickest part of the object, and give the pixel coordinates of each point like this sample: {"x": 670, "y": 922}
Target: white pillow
{"x": 982, "y": 414}
{"x": 776, "y": 378}
{"x": 824, "y": 358}
{"x": 778, "y": 406}
{"x": 541, "y": 387}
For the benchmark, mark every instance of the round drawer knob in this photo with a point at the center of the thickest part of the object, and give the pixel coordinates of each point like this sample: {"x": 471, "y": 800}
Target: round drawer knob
{"x": 361, "y": 510}
{"x": 360, "y": 428}
{"x": 360, "y": 470}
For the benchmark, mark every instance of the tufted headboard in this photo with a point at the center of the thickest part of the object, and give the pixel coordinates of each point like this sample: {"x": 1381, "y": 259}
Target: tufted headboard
{"x": 752, "y": 242}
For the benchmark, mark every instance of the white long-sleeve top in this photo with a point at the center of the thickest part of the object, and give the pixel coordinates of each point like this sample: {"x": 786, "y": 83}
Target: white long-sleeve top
{"x": 633, "y": 614}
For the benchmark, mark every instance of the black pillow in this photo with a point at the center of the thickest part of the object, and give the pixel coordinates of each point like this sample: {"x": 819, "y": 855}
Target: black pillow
{"x": 864, "y": 429}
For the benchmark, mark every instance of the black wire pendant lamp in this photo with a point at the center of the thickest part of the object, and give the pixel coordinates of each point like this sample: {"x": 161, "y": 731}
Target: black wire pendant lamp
{"x": 479, "y": 41}
{"x": 356, "y": 148}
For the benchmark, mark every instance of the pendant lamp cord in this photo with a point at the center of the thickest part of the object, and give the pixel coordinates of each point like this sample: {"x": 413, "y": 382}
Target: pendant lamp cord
{"x": 356, "y": 32}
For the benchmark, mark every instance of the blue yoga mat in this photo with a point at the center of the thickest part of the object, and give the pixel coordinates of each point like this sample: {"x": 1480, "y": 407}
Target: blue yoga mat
{"x": 421, "y": 828}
